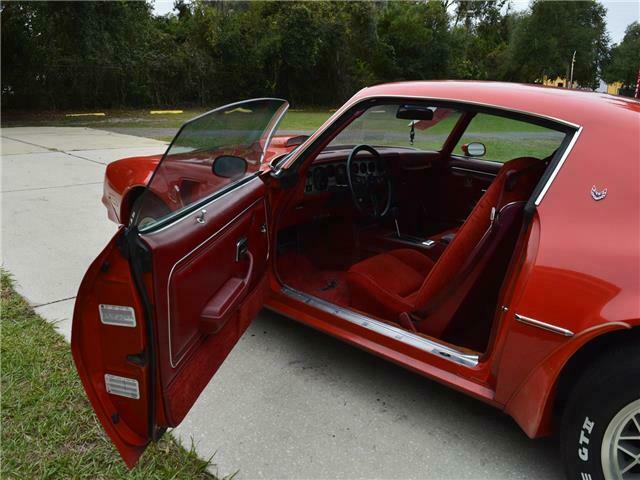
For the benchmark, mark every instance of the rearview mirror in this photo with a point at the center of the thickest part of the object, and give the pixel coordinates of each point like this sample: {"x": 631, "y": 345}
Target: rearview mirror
{"x": 474, "y": 149}
{"x": 229, "y": 166}
{"x": 414, "y": 112}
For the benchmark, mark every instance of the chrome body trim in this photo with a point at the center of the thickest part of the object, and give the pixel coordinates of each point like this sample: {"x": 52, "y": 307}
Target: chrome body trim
{"x": 565, "y": 154}
{"x": 544, "y": 326}
{"x": 421, "y": 343}
{"x": 172, "y": 362}
{"x": 180, "y": 214}
{"x": 469, "y": 170}
{"x": 196, "y": 212}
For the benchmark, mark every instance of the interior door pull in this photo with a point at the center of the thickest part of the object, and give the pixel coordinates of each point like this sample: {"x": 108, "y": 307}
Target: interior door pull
{"x": 241, "y": 249}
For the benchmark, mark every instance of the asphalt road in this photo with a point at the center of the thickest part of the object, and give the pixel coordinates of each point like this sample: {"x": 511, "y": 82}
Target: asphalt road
{"x": 289, "y": 402}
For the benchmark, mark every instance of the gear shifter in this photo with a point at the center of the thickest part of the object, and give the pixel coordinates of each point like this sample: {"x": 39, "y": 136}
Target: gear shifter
{"x": 395, "y": 214}
{"x": 395, "y": 211}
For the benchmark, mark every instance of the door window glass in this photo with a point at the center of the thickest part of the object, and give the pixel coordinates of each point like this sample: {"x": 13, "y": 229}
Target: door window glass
{"x": 208, "y": 154}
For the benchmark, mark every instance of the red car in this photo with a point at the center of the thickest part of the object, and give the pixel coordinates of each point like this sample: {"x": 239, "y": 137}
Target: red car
{"x": 484, "y": 235}
{"x": 127, "y": 178}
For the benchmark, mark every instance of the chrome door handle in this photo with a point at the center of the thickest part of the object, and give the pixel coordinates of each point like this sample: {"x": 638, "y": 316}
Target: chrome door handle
{"x": 200, "y": 218}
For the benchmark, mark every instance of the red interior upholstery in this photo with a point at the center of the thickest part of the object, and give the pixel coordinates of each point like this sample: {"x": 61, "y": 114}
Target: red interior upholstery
{"x": 297, "y": 271}
{"x": 385, "y": 284}
{"x": 396, "y": 282}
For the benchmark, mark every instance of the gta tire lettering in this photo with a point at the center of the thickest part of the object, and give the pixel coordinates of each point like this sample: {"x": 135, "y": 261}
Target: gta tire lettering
{"x": 583, "y": 444}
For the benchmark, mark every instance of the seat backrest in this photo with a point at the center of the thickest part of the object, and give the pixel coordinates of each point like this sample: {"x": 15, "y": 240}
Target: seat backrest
{"x": 514, "y": 182}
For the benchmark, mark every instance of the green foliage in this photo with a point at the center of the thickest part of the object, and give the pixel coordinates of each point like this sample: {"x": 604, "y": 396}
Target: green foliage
{"x": 625, "y": 58}
{"x": 415, "y": 39}
{"x": 544, "y": 41}
{"x": 62, "y": 55}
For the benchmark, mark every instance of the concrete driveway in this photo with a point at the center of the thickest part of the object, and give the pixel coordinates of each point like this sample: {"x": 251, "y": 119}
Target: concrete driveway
{"x": 289, "y": 402}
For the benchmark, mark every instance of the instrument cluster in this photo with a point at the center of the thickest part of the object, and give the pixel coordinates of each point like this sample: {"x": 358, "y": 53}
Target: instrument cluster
{"x": 333, "y": 176}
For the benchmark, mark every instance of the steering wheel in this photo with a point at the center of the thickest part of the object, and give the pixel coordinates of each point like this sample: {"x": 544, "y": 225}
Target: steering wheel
{"x": 369, "y": 182}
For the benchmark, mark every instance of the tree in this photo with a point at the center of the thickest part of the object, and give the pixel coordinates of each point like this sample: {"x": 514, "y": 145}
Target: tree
{"x": 625, "y": 59}
{"x": 416, "y": 40}
{"x": 117, "y": 53}
{"x": 58, "y": 54}
{"x": 480, "y": 34}
{"x": 545, "y": 39}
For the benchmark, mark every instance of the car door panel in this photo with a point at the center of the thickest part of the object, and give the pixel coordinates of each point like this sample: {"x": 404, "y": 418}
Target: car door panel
{"x": 415, "y": 177}
{"x": 163, "y": 305}
{"x": 103, "y": 346}
{"x": 197, "y": 284}
{"x": 188, "y": 352}
{"x": 463, "y": 183}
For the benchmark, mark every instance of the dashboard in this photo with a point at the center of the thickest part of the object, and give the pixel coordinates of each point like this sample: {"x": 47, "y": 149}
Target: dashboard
{"x": 327, "y": 177}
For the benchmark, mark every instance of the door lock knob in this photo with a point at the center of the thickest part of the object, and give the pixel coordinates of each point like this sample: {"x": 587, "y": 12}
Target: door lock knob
{"x": 201, "y": 217}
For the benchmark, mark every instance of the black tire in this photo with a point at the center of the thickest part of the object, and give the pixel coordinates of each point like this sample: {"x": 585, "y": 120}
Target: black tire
{"x": 605, "y": 388}
{"x": 151, "y": 209}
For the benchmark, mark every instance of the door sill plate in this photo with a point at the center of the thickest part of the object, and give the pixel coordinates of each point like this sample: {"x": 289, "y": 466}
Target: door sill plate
{"x": 385, "y": 329}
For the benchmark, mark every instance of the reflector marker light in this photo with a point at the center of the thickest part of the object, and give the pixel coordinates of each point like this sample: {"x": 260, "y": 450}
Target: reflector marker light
{"x": 122, "y": 386}
{"x": 117, "y": 315}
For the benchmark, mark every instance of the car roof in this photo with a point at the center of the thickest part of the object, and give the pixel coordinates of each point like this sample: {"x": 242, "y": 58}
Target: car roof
{"x": 577, "y": 107}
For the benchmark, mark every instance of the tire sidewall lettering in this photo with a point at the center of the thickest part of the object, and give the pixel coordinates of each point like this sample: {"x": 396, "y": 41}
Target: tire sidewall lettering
{"x": 584, "y": 439}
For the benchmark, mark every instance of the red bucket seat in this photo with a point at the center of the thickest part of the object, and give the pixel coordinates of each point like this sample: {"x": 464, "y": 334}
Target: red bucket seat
{"x": 407, "y": 287}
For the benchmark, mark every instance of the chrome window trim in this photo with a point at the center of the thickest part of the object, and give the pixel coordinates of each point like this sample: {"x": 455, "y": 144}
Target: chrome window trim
{"x": 477, "y": 159}
{"x": 331, "y": 120}
{"x": 193, "y": 210}
{"x": 480, "y": 172}
{"x": 557, "y": 168}
{"x": 543, "y": 325}
{"x": 181, "y": 213}
{"x": 404, "y": 336}
{"x": 175, "y": 363}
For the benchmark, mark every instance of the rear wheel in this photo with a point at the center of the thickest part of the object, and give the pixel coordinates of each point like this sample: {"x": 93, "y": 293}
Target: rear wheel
{"x": 601, "y": 421}
{"x": 153, "y": 209}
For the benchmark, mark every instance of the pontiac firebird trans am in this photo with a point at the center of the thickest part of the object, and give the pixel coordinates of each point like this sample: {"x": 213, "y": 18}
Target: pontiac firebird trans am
{"x": 484, "y": 235}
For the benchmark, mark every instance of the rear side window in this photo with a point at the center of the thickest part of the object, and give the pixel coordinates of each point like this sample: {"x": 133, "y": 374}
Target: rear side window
{"x": 505, "y": 139}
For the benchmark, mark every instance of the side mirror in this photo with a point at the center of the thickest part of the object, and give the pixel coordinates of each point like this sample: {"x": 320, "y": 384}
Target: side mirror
{"x": 474, "y": 149}
{"x": 229, "y": 166}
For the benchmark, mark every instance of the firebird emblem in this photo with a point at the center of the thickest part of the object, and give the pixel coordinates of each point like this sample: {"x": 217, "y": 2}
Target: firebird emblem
{"x": 598, "y": 194}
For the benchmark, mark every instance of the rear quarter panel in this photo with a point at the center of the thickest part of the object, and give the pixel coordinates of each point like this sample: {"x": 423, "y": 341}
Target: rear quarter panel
{"x": 120, "y": 178}
{"x": 582, "y": 267}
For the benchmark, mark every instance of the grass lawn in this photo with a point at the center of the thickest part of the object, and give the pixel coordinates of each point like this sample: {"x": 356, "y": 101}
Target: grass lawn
{"x": 293, "y": 120}
{"x": 504, "y": 138}
{"x": 48, "y": 427}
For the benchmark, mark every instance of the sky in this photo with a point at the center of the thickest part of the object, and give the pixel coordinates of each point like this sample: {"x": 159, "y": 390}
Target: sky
{"x": 620, "y": 13}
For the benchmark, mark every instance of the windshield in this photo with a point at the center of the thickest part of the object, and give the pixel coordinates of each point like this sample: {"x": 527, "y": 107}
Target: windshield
{"x": 379, "y": 126}
{"x": 235, "y": 136}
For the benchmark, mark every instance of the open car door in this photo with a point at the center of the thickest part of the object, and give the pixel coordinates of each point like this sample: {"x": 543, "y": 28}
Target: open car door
{"x": 165, "y": 302}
